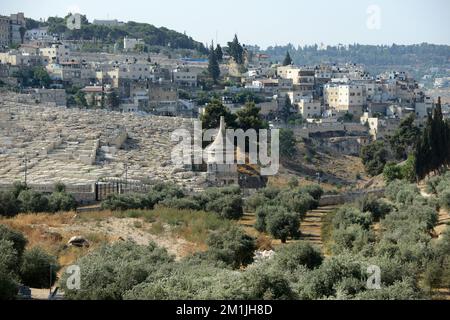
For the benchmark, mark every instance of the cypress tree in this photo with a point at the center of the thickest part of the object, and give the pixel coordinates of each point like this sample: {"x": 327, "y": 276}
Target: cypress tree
{"x": 236, "y": 50}
{"x": 287, "y": 60}
{"x": 213, "y": 65}
{"x": 433, "y": 150}
{"x": 219, "y": 52}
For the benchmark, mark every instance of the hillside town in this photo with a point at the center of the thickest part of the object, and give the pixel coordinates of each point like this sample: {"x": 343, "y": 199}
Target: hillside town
{"x": 332, "y": 101}
{"x": 93, "y": 113}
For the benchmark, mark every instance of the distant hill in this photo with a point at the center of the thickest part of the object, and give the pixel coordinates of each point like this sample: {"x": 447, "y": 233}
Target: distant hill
{"x": 423, "y": 55}
{"x": 152, "y": 35}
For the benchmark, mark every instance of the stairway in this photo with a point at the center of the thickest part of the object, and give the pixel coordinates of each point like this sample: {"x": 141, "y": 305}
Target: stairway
{"x": 311, "y": 225}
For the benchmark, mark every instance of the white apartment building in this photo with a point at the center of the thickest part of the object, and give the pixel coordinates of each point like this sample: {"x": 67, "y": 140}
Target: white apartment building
{"x": 295, "y": 96}
{"x": 38, "y": 34}
{"x": 379, "y": 128}
{"x": 57, "y": 53}
{"x": 129, "y": 44}
{"x": 422, "y": 109}
{"x": 129, "y": 71}
{"x": 15, "y": 58}
{"x": 185, "y": 77}
{"x": 309, "y": 108}
{"x": 345, "y": 98}
{"x": 288, "y": 72}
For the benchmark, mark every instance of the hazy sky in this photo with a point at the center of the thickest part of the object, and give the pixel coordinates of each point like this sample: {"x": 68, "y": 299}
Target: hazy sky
{"x": 268, "y": 22}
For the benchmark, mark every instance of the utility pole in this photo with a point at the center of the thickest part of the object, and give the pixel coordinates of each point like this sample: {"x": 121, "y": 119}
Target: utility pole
{"x": 26, "y": 168}
{"x": 126, "y": 174}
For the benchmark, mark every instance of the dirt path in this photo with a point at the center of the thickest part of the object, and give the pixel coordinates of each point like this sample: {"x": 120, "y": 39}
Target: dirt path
{"x": 311, "y": 226}
{"x": 443, "y": 218}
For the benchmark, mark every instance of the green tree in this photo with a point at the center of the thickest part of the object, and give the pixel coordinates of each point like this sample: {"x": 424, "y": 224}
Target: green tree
{"x": 17, "y": 238}
{"x": 32, "y": 202}
{"x": 126, "y": 265}
{"x": 286, "y": 110}
{"x": 213, "y": 65}
{"x": 293, "y": 255}
{"x": 374, "y": 157}
{"x": 38, "y": 269}
{"x": 405, "y": 138}
{"x": 213, "y": 111}
{"x": 219, "y": 53}
{"x": 112, "y": 100}
{"x": 249, "y": 118}
{"x": 433, "y": 150}
{"x": 22, "y": 31}
{"x": 287, "y": 60}
{"x": 282, "y": 224}
{"x": 392, "y": 172}
{"x": 61, "y": 201}
{"x": 287, "y": 143}
{"x": 9, "y": 206}
{"x": 41, "y": 77}
{"x": 232, "y": 246}
{"x": 80, "y": 99}
{"x": 236, "y": 50}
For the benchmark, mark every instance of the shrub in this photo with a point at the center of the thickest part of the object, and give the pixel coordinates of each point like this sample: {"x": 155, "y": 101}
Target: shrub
{"x": 181, "y": 204}
{"x": 393, "y": 188}
{"x": 9, "y": 206}
{"x": 61, "y": 201}
{"x": 228, "y": 206}
{"x": 291, "y": 256}
{"x": 293, "y": 182}
{"x": 60, "y": 187}
{"x": 232, "y": 246}
{"x": 353, "y": 238}
{"x": 408, "y": 169}
{"x": 18, "y": 187}
{"x": 17, "y": 238}
{"x": 118, "y": 202}
{"x": 374, "y": 157}
{"x": 261, "y": 214}
{"x": 323, "y": 282}
{"x": 32, "y": 202}
{"x": 297, "y": 201}
{"x": 8, "y": 284}
{"x": 188, "y": 280}
{"x": 38, "y": 269}
{"x": 377, "y": 207}
{"x": 255, "y": 201}
{"x": 8, "y": 256}
{"x": 401, "y": 290}
{"x": 314, "y": 191}
{"x": 444, "y": 198}
{"x": 263, "y": 197}
{"x": 282, "y": 224}
{"x": 407, "y": 195}
{"x": 262, "y": 284}
{"x": 392, "y": 172}
{"x": 347, "y": 215}
{"x": 111, "y": 270}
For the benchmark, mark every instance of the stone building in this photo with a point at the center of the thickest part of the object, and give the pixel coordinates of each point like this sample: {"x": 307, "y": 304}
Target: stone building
{"x": 219, "y": 171}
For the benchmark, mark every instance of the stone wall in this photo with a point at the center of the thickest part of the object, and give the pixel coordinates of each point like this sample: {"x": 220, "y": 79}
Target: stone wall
{"x": 83, "y": 194}
{"x": 332, "y": 200}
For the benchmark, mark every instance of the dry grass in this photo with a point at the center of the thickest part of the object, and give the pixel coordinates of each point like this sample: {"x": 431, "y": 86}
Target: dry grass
{"x": 181, "y": 231}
